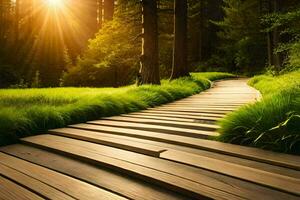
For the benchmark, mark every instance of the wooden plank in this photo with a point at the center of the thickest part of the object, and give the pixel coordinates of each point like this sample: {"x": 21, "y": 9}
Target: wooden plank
{"x": 110, "y": 140}
{"x": 56, "y": 180}
{"x": 204, "y": 129}
{"x": 184, "y": 114}
{"x": 197, "y": 105}
{"x": 189, "y": 124}
{"x": 276, "y": 181}
{"x": 40, "y": 188}
{"x": 190, "y": 110}
{"x": 200, "y": 107}
{"x": 121, "y": 184}
{"x": 89, "y": 136}
{"x": 273, "y": 158}
{"x": 10, "y": 190}
{"x": 165, "y": 118}
{"x": 190, "y": 181}
{"x": 174, "y": 117}
{"x": 143, "y": 133}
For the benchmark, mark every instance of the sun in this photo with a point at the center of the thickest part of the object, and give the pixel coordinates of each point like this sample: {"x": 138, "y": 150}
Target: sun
{"x": 54, "y": 3}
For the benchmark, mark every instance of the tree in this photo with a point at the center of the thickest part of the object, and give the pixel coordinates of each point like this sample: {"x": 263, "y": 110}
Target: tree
{"x": 180, "y": 63}
{"x": 100, "y": 13}
{"x": 109, "y": 7}
{"x": 149, "y": 70}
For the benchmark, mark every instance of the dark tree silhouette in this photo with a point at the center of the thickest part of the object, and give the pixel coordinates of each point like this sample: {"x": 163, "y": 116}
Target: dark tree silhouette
{"x": 149, "y": 70}
{"x": 180, "y": 64}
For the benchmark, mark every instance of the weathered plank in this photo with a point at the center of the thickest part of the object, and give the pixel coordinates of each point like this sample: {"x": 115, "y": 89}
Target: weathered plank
{"x": 276, "y": 181}
{"x": 184, "y": 114}
{"x": 188, "y": 124}
{"x": 126, "y": 143}
{"x": 190, "y": 110}
{"x": 93, "y": 137}
{"x": 174, "y": 116}
{"x": 278, "y": 159}
{"x": 59, "y": 182}
{"x": 190, "y": 181}
{"x": 39, "y": 187}
{"x": 205, "y": 129}
{"x": 121, "y": 184}
{"x": 10, "y": 190}
{"x": 143, "y": 133}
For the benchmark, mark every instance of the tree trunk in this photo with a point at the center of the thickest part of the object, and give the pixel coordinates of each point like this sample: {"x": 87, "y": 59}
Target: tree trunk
{"x": 276, "y": 40}
{"x": 109, "y": 7}
{"x": 149, "y": 71}
{"x": 100, "y": 13}
{"x": 180, "y": 64}
{"x": 93, "y": 13}
{"x": 17, "y": 20}
{"x": 200, "y": 40}
{"x": 2, "y": 22}
{"x": 266, "y": 8}
{"x": 270, "y": 48}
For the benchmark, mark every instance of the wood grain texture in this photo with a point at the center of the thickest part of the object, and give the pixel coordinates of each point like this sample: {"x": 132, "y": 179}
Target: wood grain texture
{"x": 10, "y": 190}
{"x": 189, "y": 124}
{"x": 205, "y": 129}
{"x": 276, "y": 181}
{"x": 63, "y": 184}
{"x": 121, "y": 142}
{"x": 189, "y": 181}
{"x": 111, "y": 180}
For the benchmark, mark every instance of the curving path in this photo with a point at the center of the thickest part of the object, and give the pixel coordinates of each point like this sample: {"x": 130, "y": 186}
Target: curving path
{"x": 160, "y": 153}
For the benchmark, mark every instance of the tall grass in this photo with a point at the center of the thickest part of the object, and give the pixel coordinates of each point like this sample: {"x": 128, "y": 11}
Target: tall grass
{"x": 274, "y": 122}
{"x": 24, "y": 112}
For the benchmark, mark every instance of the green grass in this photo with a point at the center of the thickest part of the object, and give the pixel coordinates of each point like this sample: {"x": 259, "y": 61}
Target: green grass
{"x": 274, "y": 122}
{"x": 25, "y": 112}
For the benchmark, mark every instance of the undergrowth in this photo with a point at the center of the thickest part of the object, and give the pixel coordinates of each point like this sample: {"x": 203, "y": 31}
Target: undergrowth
{"x": 272, "y": 123}
{"x": 25, "y": 112}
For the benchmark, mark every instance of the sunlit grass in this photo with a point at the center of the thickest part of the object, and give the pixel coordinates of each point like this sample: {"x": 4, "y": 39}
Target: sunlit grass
{"x": 273, "y": 123}
{"x": 24, "y": 112}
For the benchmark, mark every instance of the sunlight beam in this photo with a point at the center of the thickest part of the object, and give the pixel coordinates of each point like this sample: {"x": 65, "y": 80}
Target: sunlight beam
{"x": 54, "y": 3}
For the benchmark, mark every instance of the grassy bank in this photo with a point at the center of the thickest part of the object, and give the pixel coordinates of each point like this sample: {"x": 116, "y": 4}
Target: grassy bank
{"x": 274, "y": 122}
{"x": 25, "y": 112}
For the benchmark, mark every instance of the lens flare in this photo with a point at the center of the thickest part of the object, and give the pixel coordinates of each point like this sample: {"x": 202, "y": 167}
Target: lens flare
{"x": 54, "y": 3}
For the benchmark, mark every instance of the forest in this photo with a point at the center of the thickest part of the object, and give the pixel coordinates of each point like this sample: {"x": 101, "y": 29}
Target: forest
{"x": 71, "y": 49}
{"x": 93, "y": 43}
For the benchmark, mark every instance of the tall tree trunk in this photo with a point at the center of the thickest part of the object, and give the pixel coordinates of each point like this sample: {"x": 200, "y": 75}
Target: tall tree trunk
{"x": 109, "y": 7}
{"x": 93, "y": 16}
{"x": 201, "y": 27}
{"x": 100, "y": 13}
{"x": 276, "y": 40}
{"x": 1, "y": 20}
{"x": 270, "y": 48}
{"x": 180, "y": 63}
{"x": 267, "y": 8}
{"x": 17, "y": 20}
{"x": 149, "y": 70}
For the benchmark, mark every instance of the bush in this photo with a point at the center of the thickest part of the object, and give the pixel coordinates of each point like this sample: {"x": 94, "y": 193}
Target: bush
{"x": 272, "y": 123}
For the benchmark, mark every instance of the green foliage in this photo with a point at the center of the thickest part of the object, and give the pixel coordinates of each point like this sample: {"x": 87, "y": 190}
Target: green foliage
{"x": 272, "y": 123}
{"x": 24, "y": 112}
{"x": 111, "y": 58}
{"x": 288, "y": 23}
{"x": 243, "y": 47}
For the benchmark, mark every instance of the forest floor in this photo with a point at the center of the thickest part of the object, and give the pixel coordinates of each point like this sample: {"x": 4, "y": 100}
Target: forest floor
{"x": 24, "y": 112}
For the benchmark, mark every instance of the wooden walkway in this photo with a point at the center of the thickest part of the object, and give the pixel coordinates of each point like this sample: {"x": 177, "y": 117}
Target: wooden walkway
{"x": 160, "y": 153}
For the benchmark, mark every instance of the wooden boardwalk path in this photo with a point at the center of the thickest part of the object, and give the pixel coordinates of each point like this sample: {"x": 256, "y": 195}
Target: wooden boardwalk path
{"x": 160, "y": 153}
